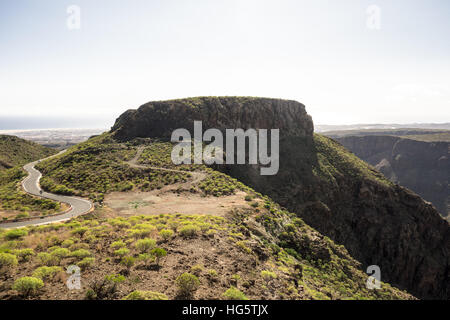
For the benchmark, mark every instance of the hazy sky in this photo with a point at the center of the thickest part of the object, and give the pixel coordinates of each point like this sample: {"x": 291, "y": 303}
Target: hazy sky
{"x": 329, "y": 55}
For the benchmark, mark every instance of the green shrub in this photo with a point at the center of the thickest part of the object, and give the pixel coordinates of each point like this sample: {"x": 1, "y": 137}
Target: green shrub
{"x": 241, "y": 244}
{"x": 60, "y": 253}
{"x": 146, "y": 257}
{"x": 212, "y": 274}
{"x": 80, "y": 254}
{"x": 197, "y": 269}
{"x": 116, "y": 278}
{"x": 145, "y": 245}
{"x": 46, "y": 272}
{"x": 15, "y": 234}
{"x": 128, "y": 261}
{"x": 80, "y": 231}
{"x": 122, "y": 252}
{"x": 141, "y": 230}
{"x": 24, "y": 254}
{"x": 189, "y": 231}
{"x": 78, "y": 246}
{"x": 146, "y": 295}
{"x": 86, "y": 263}
{"x": 7, "y": 260}
{"x": 234, "y": 294}
{"x": 158, "y": 253}
{"x": 187, "y": 284}
{"x": 104, "y": 288}
{"x": 28, "y": 285}
{"x": 268, "y": 275}
{"x": 166, "y": 234}
{"x": 47, "y": 259}
{"x": 22, "y": 215}
{"x": 235, "y": 278}
{"x": 118, "y": 244}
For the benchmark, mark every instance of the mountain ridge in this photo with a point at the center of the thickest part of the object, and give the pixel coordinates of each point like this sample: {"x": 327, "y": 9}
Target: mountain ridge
{"x": 315, "y": 171}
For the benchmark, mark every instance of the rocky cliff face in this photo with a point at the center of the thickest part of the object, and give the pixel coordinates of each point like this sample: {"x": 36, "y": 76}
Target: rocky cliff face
{"x": 423, "y": 167}
{"x": 160, "y": 118}
{"x": 378, "y": 222}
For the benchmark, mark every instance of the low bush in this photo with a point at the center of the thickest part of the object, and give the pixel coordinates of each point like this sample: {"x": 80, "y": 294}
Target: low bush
{"x": 234, "y": 294}
{"x": 158, "y": 253}
{"x": 67, "y": 243}
{"x": 80, "y": 231}
{"x": 128, "y": 261}
{"x": 46, "y": 272}
{"x": 15, "y": 234}
{"x": 145, "y": 245}
{"x": 212, "y": 274}
{"x": 122, "y": 252}
{"x": 86, "y": 263}
{"x": 166, "y": 234}
{"x": 197, "y": 269}
{"x": 60, "y": 253}
{"x": 80, "y": 254}
{"x": 118, "y": 244}
{"x": 105, "y": 288}
{"x": 28, "y": 285}
{"x": 146, "y": 295}
{"x": 187, "y": 284}
{"x": 24, "y": 254}
{"x": 7, "y": 260}
{"x": 189, "y": 231}
{"x": 268, "y": 275}
{"x": 47, "y": 259}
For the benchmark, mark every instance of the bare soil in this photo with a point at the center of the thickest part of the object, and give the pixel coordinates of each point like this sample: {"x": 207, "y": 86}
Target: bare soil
{"x": 156, "y": 202}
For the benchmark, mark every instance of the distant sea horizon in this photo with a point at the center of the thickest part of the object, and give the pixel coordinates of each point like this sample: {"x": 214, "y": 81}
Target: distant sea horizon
{"x": 8, "y": 123}
{"x": 24, "y": 123}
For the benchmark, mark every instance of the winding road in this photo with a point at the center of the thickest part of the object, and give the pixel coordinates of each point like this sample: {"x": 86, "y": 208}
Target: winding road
{"x": 78, "y": 206}
{"x": 31, "y": 185}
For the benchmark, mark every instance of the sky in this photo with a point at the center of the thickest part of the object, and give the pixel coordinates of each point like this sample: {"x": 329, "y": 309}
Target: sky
{"x": 348, "y": 61}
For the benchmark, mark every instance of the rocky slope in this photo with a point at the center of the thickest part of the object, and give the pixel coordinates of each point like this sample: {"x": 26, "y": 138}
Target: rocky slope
{"x": 239, "y": 245}
{"x": 332, "y": 190}
{"x": 423, "y": 167}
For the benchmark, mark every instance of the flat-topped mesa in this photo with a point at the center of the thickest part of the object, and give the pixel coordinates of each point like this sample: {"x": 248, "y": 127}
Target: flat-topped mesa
{"x": 160, "y": 118}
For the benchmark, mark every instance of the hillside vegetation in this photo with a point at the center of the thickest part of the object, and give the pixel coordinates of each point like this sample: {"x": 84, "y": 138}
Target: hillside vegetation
{"x": 15, "y": 151}
{"x": 256, "y": 251}
{"x": 263, "y": 252}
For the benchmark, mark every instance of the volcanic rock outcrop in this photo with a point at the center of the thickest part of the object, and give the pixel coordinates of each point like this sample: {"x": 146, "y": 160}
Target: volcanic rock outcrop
{"x": 160, "y": 118}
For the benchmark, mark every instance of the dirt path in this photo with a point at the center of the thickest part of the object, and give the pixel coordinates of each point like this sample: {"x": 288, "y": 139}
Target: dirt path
{"x": 154, "y": 203}
{"x": 197, "y": 176}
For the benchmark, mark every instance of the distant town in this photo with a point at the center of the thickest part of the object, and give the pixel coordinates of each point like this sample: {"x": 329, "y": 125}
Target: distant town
{"x": 55, "y": 138}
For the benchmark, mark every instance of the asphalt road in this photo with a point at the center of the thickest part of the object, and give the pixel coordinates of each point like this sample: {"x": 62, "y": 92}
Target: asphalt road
{"x": 31, "y": 185}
